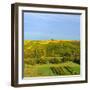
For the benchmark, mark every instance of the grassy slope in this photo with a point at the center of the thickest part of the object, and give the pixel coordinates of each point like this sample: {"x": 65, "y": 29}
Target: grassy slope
{"x": 44, "y": 70}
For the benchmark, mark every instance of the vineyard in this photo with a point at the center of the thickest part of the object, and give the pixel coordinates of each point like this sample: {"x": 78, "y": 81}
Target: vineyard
{"x": 51, "y": 58}
{"x": 67, "y": 70}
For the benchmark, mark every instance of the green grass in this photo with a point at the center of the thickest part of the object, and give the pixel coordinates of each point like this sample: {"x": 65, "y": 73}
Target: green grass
{"x": 44, "y": 69}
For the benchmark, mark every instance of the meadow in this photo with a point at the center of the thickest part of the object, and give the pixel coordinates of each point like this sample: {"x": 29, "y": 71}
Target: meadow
{"x": 51, "y": 58}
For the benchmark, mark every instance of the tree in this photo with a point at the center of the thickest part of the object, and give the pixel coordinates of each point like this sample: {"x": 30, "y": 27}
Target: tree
{"x": 52, "y": 39}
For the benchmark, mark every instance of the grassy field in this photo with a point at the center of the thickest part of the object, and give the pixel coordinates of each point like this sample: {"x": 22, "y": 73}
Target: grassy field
{"x": 67, "y": 68}
{"x": 51, "y": 58}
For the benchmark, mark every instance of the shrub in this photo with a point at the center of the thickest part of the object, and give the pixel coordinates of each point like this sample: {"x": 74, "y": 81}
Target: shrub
{"x": 41, "y": 61}
{"x": 54, "y": 60}
{"x": 67, "y": 58}
{"x": 77, "y": 60}
{"x": 30, "y": 61}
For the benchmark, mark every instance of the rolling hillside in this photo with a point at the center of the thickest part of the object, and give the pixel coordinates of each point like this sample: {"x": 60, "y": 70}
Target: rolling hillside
{"x": 51, "y": 57}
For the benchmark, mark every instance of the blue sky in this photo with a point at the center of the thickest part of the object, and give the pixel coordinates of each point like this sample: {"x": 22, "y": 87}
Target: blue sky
{"x": 44, "y": 26}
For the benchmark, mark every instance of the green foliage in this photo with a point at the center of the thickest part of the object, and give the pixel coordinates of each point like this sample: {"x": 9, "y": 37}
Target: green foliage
{"x": 31, "y": 61}
{"x": 55, "y": 60}
{"x": 77, "y": 59}
{"x": 51, "y": 57}
{"x": 52, "y": 51}
{"x": 41, "y": 61}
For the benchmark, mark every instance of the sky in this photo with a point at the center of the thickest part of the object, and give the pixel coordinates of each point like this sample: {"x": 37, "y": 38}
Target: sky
{"x": 46, "y": 26}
